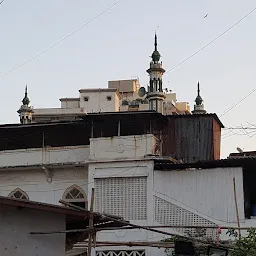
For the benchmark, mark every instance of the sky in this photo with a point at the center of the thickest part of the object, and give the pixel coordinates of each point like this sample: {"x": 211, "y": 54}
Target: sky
{"x": 117, "y": 45}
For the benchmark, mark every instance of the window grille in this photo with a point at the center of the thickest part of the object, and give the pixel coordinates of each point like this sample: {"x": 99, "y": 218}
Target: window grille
{"x": 76, "y": 196}
{"x": 121, "y": 253}
{"x": 170, "y": 214}
{"x": 19, "y": 194}
{"x": 125, "y": 197}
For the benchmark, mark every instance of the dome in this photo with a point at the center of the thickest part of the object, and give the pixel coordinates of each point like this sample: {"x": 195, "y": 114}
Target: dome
{"x": 199, "y": 100}
{"x": 156, "y": 56}
{"x": 26, "y": 100}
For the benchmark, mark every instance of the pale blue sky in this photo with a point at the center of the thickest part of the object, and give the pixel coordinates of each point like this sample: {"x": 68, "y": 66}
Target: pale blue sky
{"x": 118, "y": 45}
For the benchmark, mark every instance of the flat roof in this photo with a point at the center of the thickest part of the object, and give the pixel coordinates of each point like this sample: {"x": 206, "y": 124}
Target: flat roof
{"x": 84, "y": 117}
{"x": 99, "y": 90}
{"x": 109, "y": 115}
{"x": 69, "y": 99}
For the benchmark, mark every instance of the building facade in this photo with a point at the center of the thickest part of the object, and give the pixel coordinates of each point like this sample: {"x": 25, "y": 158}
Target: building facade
{"x": 154, "y": 191}
{"x": 115, "y": 140}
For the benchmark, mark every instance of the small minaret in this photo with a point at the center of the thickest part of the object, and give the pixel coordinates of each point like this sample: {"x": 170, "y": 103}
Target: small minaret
{"x": 155, "y": 93}
{"x": 25, "y": 110}
{"x": 199, "y": 106}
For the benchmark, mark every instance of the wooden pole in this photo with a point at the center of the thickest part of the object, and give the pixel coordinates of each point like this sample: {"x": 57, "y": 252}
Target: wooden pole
{"x": 237, "y": 213}
{"x": 89, "y": 250}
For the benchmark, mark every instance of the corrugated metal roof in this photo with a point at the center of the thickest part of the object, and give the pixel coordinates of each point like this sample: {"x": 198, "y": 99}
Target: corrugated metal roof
{"x": 42, "y": 206}
{"x": 214, "y": 115}
{"x": 243, "y": 154}
{"x": 166, "y": 165}
{"x": 192, "y": 138}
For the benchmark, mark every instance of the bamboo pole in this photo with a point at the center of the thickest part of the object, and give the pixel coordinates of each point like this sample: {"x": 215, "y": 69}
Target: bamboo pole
{"x": 124, "y": 228}
{"x": 130, "y": 244}
{"x": 89, "y": 250}
{"x": 106, "y": 216}
{"x": 237, "y": 213}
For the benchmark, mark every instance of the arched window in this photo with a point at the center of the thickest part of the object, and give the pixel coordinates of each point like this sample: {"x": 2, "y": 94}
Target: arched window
{"x": 19, "y": 194}
{"x": 76, "y": 196}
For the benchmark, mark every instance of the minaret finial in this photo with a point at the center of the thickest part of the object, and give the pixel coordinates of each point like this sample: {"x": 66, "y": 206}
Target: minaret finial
{"x": 155, "y": 41}
{"x": 26, "y": 90}
{"x": 198, "y": 89}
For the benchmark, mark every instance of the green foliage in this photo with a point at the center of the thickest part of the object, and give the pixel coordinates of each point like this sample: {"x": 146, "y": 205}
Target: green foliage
{"x": 244, "y": 246}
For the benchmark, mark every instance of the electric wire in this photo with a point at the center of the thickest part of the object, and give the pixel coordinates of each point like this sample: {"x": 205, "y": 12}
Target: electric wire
{"x": 61, "y": 40}
{"x": 237, "y": 103}
{"x": 212, "y": 41}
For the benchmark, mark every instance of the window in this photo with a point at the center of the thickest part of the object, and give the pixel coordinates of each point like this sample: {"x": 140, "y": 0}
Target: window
{"x": 75, "y": 195}
{"x": 109, "y": 98}
{"x": 86, "y": 98}
{"x": 19, "y": 194}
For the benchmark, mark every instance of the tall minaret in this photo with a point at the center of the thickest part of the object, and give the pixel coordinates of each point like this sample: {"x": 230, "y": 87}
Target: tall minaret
{"x": 199, "y": 106}
{"x": 155, "y": 93}
{"x": 25, "y": 110}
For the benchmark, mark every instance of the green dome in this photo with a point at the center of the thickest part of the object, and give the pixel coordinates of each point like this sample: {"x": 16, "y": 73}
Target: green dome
{"x": 156, "y": 55}
{"x": 26, "y": 100}
{"x": 199, "y": 100}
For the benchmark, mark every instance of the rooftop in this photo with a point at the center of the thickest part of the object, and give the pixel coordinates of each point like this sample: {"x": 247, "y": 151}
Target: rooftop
{"x": 99, "y": 90}
{"x": 54, "y": 134}
{"x": 166, "y": 165}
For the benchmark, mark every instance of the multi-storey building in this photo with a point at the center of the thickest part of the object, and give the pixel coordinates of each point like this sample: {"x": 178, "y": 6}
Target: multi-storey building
{"x": 116, "y": 140}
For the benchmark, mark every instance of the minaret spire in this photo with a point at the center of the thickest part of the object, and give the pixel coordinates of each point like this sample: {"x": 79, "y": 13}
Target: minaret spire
{"x": 26, "y": 90}
{"x": 199, "y": 107}
{"x": 25, "y": 110}
{"x": 155, "y": 42}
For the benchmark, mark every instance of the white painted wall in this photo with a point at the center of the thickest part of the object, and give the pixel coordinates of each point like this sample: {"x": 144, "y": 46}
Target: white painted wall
{"x": 133, "y": 169}
{"x": 34, "y": 183}
{"x": 70, "y": 103}
{"x": 48, "y": 155}
{"x": 56, "y": 111}
{"x": 208, "y": 193}
{"x": 98, "y": 102}
{"x": 122, "y": 147}
{"x": 15, "y": 237}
